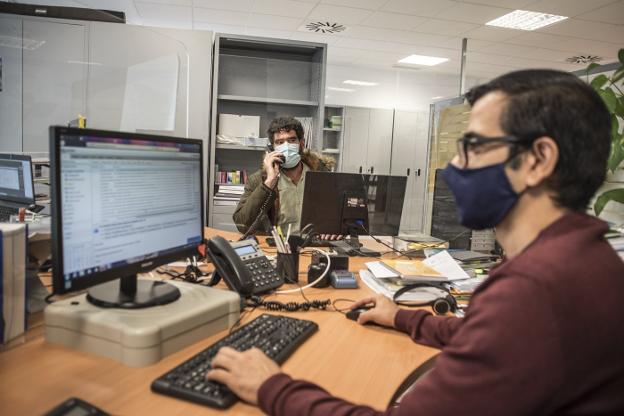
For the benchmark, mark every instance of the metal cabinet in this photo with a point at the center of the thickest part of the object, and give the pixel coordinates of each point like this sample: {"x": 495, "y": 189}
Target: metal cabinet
{"x": 367, "y": 140}
{"x": 409, "y": 158}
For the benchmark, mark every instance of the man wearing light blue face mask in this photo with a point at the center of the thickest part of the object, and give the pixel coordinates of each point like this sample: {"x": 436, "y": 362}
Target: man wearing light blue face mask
{"x": 544, "y": 334}
{"x": 279, "y": 184}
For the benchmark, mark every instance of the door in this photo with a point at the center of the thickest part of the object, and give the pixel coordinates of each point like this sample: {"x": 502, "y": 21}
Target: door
{"x": 355, "y": 124}
{"x": 379, "y": 141}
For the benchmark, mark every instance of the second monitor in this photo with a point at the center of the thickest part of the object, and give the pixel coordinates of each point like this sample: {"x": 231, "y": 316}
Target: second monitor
{"x": 353, "y": 204}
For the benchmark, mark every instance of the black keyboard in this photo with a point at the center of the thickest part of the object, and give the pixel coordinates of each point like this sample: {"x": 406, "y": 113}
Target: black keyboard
{"x": 6, "y": 212}
{"x": 277, "y": 336}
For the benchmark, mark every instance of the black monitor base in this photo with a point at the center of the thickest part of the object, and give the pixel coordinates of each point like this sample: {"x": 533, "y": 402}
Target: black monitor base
{"x": 131, "y": 293}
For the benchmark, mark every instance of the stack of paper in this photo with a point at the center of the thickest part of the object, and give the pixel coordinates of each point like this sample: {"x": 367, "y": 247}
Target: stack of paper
{"x": 440, "y": 267}
{"x": 12, "y": 281}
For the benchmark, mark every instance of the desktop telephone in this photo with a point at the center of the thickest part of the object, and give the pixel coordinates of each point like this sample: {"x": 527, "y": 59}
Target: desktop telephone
{"x": 243, "y": 265}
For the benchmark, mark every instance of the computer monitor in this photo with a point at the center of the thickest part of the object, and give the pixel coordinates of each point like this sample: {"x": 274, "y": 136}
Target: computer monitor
{"x": 122, "y": 203}
{"x": 16, "y": 181}
{"x": 353, "y": 203}
{"x": 444, "y": 220}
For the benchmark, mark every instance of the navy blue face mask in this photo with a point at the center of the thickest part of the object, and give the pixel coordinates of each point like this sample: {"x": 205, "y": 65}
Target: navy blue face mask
{"x": 484, "y": 196}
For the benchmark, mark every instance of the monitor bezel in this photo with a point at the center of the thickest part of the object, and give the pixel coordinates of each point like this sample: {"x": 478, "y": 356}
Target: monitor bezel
{"x": 25, "y": 201}
{"x": 58, "y": 282}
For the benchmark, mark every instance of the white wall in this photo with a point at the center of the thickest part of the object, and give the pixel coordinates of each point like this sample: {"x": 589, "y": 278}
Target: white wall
{"x": 403, "y": 89}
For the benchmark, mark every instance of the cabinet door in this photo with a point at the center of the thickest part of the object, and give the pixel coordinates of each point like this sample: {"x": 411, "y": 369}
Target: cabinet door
{"x": 379, "y": 141}
{"x": 54, "y": 79}
{"x": 409, "y": 157}
{"x": 355, "y": 124}
{"x": 11, "y": 85}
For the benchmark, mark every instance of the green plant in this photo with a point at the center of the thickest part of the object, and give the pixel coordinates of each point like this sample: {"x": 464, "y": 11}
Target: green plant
{"x": 607, "y": 87}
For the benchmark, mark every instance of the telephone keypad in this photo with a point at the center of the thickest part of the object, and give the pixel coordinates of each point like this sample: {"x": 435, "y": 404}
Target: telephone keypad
{"x": 263, "y": 275}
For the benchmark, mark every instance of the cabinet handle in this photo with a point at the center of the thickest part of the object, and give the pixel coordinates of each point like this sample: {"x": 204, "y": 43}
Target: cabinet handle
{"x": 418, "y": 172}
{"x": 372, "y": 169}
{"x": 360, "y": 169}
{"x": 408, "y": 171}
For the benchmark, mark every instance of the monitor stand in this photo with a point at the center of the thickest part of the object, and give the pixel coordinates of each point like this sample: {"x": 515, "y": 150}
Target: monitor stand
{"x": 131, "y": 293}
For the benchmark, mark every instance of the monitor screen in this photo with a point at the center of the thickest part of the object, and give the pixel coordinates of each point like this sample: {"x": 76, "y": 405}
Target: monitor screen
{"x": 343, "y": 203}
{"x": 122, "y": 203}
{"x": 444, "y": 220}
{"x": 16, "y": 182}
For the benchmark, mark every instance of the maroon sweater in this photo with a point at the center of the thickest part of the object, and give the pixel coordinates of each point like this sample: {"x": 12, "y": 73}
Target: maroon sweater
{"x": 543, "y": 335}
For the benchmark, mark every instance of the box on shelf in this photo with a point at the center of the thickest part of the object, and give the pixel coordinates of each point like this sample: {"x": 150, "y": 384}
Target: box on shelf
{"x": 237, "y": 125}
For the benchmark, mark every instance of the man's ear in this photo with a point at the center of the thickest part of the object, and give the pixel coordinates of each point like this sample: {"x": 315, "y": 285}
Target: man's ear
{"x": 301, "y": 146}
{"x": 545, "y": 154}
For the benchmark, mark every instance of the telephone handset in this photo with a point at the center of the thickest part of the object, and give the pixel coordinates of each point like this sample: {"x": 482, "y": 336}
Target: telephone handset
{"x": 243, "y": 266}
{"x": 282, "y": 157}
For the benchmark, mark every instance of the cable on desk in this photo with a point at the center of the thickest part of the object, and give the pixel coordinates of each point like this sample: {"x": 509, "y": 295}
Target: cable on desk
{"x": 342, "y": 311}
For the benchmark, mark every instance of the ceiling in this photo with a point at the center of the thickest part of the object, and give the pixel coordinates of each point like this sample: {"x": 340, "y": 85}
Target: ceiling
{"x": 380, "y": 32}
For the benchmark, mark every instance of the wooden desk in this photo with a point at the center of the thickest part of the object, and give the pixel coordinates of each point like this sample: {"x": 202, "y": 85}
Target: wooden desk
{"x": 363, "y": 364}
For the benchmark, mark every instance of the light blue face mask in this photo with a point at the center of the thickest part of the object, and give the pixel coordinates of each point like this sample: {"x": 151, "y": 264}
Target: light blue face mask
{"x": 291, "y": 153}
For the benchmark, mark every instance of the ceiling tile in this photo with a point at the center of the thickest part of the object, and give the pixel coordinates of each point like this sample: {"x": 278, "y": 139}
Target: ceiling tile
{"x": 343, "y": 55}
{"x": 444, "y": 27}
{"x": 492, "y": 33}
{"x": 236, "y": 5}
{"x": 314, "y": 37}
{"x": 169, "y": 2}
{"x": 217, "y": 28}
{"x": 392, "y": 21}
{"x": 360, "y": 4}
{"x": 473, "y": 13}
{"x": 339, "y": 14}
{"x": 428, "y": 8}
{"x": 374, "y": 45}
{"x": 585, "y": 29}
{"x": 163, "y": 12}
{"x": 509, "y": 4}
{"x": 569, "y": 8}
{"x": 389, "y": 35}
{"x": 282, "y": 7}
{"x": 528, "y": 52}
{"x": 572, "y": 46}
{"x": 613, "y": 13}
{"x": 473, "y": 44}
{"x": 273, "y": 22}
{"x": 223, "y": 17}
{"x": 268, "y": 33}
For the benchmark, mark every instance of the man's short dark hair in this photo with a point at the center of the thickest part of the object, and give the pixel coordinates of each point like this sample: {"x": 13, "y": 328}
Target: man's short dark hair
{"x": 285, "y": 124}
{"x": 560, "y": 105}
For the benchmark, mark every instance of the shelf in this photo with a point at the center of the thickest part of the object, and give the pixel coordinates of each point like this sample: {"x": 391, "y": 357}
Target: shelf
{"x": 267, "y": 100}
{"x": 330, "y": 129}
{"x": 241, "y": 147}
{"x": 331, "y": 151}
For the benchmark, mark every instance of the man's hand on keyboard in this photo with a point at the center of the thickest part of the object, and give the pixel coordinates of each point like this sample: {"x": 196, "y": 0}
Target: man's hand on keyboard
{"x": 243, "y": 372}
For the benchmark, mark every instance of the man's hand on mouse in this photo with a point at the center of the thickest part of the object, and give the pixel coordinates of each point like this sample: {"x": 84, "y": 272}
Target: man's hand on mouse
{"x": 383, "y": 313}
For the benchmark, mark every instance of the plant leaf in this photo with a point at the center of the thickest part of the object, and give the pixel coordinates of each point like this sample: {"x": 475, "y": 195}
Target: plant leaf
{"x": 591, "y": 67}
{"x": 618, "y": 75}
{"x": 609, "y": 98}
{"x": 599, "y": 81}
{"x": 616, "y": 195}
{"x": 621, "y": 56}
{"x": 616, "y": 156}
{"x": 619, "y": 107}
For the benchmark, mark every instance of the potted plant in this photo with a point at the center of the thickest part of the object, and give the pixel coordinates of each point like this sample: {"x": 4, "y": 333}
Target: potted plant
{"x": 611, "y": 90}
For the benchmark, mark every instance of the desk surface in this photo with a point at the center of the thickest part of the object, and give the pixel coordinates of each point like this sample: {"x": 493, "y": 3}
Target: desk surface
{"x": 363, "y": 364}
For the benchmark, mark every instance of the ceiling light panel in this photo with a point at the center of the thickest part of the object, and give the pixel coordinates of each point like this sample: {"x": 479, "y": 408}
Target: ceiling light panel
{"x": 361, "y": 83}
{"x": 422, "y": 60}
{"x": 525, "y": 20}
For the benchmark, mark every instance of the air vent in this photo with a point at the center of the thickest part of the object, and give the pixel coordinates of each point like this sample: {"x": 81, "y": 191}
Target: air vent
{"x": 584, "y": 59}
{"x": 325, "y": 27}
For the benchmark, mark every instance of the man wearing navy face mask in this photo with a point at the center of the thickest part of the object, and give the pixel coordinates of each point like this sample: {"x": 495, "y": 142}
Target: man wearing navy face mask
{"x": 544, "y": 334}
{"x": 281, "y": 181}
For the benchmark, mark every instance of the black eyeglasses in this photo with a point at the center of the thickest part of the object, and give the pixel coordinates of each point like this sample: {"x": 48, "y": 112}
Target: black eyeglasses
{"x": 470, "y": 141}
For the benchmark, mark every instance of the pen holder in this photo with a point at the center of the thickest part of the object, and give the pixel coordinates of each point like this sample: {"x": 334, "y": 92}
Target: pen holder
{"x": 288, "y": 266}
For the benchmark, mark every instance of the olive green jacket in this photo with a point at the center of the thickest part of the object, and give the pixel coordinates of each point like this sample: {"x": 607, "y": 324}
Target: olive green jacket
{"x": 256, "y": 193}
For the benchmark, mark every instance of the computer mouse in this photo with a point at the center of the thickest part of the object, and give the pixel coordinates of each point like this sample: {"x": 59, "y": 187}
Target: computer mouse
{"x": 355, "y": 313}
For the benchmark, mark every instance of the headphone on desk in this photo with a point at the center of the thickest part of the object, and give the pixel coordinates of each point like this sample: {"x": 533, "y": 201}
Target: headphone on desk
{"x": 440, "y": 305}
